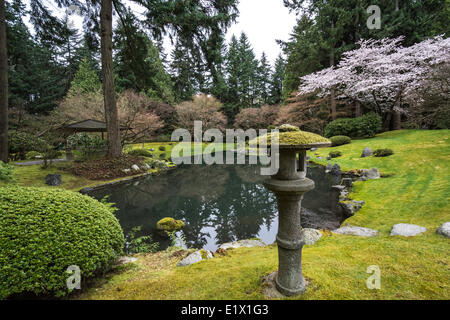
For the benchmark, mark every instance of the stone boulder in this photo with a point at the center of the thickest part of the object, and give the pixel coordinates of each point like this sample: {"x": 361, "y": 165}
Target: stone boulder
{"x": 347, "y": 182}
{"x": 53, "y": 180}
{"x": 356, "y": 231}
{"x": 242, "y": 243}
{"x": 310, "y": 236}
{"x": 135, "y": 167}
{"x": 407, "y": 230}
{"x": 367, "y": 152}
{"x": 338, "y": 187}
{"x": 336, "y": 170}
{"x": 368, "y": 174}
{"x": 444, "y": 230}
{"x": 351, "y": 207}
{"x": 195, "y": 257}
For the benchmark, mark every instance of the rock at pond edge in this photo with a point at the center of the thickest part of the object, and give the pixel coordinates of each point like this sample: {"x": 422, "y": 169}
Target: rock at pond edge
{"x": 407, "y": 230}
{"x": 356, "y": 231}
{"x": 169, "y": 225}
{"x": 195, "y": 257}
{"x": 444, "y": 230}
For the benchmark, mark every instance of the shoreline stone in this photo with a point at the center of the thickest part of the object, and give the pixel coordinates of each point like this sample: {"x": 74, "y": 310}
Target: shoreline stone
{"x": 356, "y": 231}
{"x": 407, "y": 230}
{"x": 444, "y": 230}
{"x": 248, "y": 243}
{"x": 195, "y": 257}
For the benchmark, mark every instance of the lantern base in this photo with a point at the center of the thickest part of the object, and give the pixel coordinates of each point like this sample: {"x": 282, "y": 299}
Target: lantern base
{"x": 272, "y": 290}
{"x": 290, "y": 292}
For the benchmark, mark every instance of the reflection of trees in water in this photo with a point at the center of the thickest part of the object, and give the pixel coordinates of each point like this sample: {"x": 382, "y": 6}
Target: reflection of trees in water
{"x": 201, "y": 182}
{"x": 243, "y": 210}
{"x": 227, "y": 200}
{"x": 250, "y": 174}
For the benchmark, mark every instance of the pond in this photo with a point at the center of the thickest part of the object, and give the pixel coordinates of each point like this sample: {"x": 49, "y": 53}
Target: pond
{"x": 218, "y": 203}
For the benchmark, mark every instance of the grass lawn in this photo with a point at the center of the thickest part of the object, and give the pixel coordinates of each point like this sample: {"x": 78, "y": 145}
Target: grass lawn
{"x": 417, "y": 191}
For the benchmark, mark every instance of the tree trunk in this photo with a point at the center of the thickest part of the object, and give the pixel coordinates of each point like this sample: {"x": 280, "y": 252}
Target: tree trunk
{"x": 387, "y": 121}
{"x": 111, "y": 113}
{"x": 357, "y": 109}
{"x": 397, "y": 121}
{"x": 3, "y": 86}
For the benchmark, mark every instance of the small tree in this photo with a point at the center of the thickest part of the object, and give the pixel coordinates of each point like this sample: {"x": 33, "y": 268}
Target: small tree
{"x": 202, "y": 108}
{"x": 134, "y": 114}
{"x": 256, "y": 118}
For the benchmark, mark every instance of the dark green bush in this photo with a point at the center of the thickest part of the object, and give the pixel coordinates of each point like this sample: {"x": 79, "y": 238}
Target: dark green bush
{"x": 19, "y": 143}
{"x": 44, "y": 231}
{"x": 339, "y": 140}
{"x": 6, "y": 172}
{"x": 366, "y": 126}
{"x": 383, "y": 152}
{"x": 335, "y": 154}
{"x": 162, "y": 148}
{"x": 140, "y": 153}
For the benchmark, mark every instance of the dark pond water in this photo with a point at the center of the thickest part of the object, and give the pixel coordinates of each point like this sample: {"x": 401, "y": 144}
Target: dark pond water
{"x": 218, "y": 203}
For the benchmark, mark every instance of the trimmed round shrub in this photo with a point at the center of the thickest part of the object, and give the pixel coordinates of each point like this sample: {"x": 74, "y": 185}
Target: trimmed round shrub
{"x": 44, "y": 231}
{"x": 339, "y": 140}
{"x": 335, "y": 154}
{"x": 383, "y": 152}
{"x": 140, "y": 153}
{"x": 366, "y": 126}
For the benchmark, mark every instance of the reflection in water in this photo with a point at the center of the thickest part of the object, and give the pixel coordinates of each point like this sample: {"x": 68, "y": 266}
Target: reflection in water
{"x": 219, "y": 203}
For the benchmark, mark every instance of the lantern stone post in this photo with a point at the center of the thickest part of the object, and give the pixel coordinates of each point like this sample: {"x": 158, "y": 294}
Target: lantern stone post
{"x": 289, "y": 184}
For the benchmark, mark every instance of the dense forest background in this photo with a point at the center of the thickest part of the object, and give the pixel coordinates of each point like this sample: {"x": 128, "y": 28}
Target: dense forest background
{"x": 54, "y": 69}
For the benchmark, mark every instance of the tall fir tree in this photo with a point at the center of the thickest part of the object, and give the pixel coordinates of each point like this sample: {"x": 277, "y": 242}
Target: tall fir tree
{"x": 183, "y": 75}
{"x": 276, "y": 81}
{"x": 137, "y": 62}
{"x": 264, "y": 83}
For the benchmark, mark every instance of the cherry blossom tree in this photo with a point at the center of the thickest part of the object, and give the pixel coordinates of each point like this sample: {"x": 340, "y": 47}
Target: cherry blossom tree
{"x": 380, "y": 74}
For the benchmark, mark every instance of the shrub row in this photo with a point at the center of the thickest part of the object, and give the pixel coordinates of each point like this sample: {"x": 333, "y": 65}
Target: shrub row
{"x": 366, "y": 126}
{"x": 339, "y": 140}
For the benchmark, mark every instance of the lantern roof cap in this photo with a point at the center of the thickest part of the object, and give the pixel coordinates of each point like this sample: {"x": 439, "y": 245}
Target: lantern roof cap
{"x": 291, "y": 137}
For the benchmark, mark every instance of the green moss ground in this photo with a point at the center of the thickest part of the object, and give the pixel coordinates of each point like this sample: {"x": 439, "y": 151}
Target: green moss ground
{"x": 34, "y": 176}
{"x": 411, "y": 268}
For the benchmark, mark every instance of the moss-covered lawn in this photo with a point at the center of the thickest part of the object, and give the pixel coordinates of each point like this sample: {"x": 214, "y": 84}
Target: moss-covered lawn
{"x": 417, "y": 192}
{"x": 34, "y": 176}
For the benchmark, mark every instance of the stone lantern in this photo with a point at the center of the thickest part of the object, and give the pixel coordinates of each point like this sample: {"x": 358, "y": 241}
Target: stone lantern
{"x": 289, "y": 185}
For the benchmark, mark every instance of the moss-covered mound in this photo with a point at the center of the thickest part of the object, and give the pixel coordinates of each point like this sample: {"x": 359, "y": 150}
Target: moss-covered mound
{"x": 169, "y": 224}
{"x": 290, "y": 135}
{"x": 44, "y": 231}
